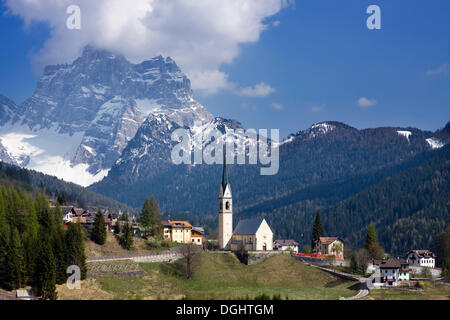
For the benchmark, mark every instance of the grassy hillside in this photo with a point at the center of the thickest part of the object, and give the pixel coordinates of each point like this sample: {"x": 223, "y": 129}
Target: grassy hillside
{"x": 112, "y": 247}
{"x": 432, "y": 291}
{"x": 218, "y": 276}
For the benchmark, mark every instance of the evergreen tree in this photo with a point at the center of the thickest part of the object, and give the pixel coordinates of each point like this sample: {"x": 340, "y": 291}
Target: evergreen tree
{"x": 30, "y": 240}
{"x": 371, "y": 237}
{"x": 146, "y": 218}
{"x": 99, "y": 232}
{"x": 443, "y": 252}
{"x": 60, "y": 252}
{"x": 156, "y": 221}
{"x": 75, "y": 248}
{"x": 4, "y": 240}
{"x": 61, "y": 198}
{"x": 127, "y": 237}
{"x": 317, "y": 230}
{"x": 45, "y": 218}
{"x": 15, "y": 262}
{"x": 45, "y": 273}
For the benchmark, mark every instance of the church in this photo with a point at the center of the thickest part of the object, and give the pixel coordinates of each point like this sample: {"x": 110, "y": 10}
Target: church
{"x": 250, "y": 234}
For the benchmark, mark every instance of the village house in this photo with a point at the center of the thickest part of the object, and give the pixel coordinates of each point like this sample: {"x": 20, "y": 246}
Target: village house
{"x": 197, "y": 236}
{"x": 68, "y": 213}
{"x": 390, "y": 272}
{"x": 177, "y": 231}
{"x": 86, "y": 217}
{"x": 422, "y": 258}
{"x": 182, "y": 232}
{"x": 330, "y": 246}
{"x": 284, "y": 245}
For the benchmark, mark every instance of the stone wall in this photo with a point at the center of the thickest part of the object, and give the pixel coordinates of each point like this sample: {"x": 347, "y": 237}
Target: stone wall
{"x": 323, "y": 262}
{"x": 254, "y": 257}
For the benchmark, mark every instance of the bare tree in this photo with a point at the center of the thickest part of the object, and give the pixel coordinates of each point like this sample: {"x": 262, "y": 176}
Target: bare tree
{"x": 362, "y": 259}
{"x": 189, "y": 251}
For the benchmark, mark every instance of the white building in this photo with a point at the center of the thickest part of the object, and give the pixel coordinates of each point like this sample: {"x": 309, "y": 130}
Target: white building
{"x": 249, "y": 235}
{"x": 252, "y": 235}
{"x": 422, "y": 258}
{"x": 284, "y": 245}
{"x": 388, "y": 273}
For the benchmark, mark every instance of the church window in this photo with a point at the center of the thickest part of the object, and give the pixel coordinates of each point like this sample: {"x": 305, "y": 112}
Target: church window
{"x": 227, "y": 205}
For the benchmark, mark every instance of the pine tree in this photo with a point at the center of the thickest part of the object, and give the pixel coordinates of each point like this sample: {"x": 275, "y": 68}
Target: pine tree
{"x": 371, "y": 237}
{"x": 146, "y": 216}
{"x": 60, "y": 253}
{"x": 15, "y": 262}
{"x": 61, "y": 198}
{"x": 30, "y": 240}
{"x": 4, "y": 240}
{"x": 75, "y": 248}
{"x": 127, "y": 237}
{"x": 443, "y": 252}
{"x": 157, "y": 227}
{"x": 45, "y": 273}
{"x": 317, "y": 230}
{"x": 99, "y": 232}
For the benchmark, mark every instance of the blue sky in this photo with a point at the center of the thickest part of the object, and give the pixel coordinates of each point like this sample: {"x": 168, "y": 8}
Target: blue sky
{"x": 321, "y": 59}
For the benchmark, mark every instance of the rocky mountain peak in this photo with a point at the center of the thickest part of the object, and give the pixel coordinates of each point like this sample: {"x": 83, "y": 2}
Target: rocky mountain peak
{"x": 98, "y": 102}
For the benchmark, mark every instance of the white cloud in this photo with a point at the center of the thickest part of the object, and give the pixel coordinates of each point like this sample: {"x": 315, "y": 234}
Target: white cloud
{"x": 276, "y": 23}
{"x": 442, "y": 69}
{"x": 277, "y": 106}
{"x": 259, "y": 90}
{"x": 365, "y": 102}
{"x": 200, "y": 35}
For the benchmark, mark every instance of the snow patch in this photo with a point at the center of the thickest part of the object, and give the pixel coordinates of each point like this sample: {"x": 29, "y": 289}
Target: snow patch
{"x": 49, "y": 152}
{"x": 435, "y": 143}
{"x": 405, "y": 134}
{"x": 89, "y": 149}
{"x": 288, "y": 140}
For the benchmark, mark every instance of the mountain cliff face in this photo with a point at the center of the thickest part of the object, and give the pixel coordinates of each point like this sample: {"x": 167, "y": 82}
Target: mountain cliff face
{"x": 89, "y": 110}
{"x": 8, "y": 110}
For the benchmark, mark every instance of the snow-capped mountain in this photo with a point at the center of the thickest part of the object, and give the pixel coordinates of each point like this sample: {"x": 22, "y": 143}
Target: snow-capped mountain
{"x": 425, "y": 138}
{"x": 82, "y": 115}
{"x": 149, "y": 153}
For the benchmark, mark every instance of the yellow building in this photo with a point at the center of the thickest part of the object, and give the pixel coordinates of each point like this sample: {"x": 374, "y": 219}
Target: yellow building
{"x": 177, "y": 231}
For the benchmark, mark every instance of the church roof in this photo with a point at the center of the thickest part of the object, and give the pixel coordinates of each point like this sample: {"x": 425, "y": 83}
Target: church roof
{"x": 248, "y": 226}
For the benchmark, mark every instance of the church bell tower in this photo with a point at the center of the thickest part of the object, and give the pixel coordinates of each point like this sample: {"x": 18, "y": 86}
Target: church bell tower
{"x": 225, "y": 210}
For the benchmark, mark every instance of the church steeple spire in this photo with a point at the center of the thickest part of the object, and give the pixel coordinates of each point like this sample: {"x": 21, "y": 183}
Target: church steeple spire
{"x": 224, "y": 172}
{"x": 225, "y": 209}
